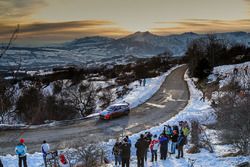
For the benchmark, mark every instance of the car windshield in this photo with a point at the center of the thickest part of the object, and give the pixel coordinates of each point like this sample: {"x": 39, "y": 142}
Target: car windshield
{"x": 111, "y": 108}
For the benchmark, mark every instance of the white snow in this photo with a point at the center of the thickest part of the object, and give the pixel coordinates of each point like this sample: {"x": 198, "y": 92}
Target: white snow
{"x": 141, "y": 94}
{"x": 195, "y": 109}
{"x": 137, "y": 96}
{"x": 33, "y": 160}
{"x": 225, "y": 75}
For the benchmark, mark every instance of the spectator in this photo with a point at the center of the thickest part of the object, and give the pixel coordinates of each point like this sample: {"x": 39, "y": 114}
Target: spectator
{"x": 163, "y": 146}
{"x": 169, "y": 131}
{"x": 125, "y": 152}
{"x": 154, "y": 145}
{"x": 185, "y": 129}
{"x": 203, "y": 98}
{"x": 180, "y": 143}
{"x": 141, "y": 145}
{"x": 21, "y": 151}
{"x": 246, "y": 70}
{"x": 1, "y": 164}
{"x": 175, "y": 127}
{"x": 117, "y": 153}
{"x": 174, "y": 138}
{"x": 129, "y": 141}
{"x": 140, "y": 82}
{"x": 235, "y": 71}
{"x": 144, "y": 82}
{"x": 45, "y": 150}
{"x": 148, "y": 138}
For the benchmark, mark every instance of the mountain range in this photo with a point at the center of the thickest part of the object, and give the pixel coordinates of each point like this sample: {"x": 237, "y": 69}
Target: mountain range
{"x": 96, "y": 50}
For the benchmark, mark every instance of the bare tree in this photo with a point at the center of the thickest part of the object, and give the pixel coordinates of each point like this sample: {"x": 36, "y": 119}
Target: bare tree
{"x": 6, "y": 101}
{"x": 7, "y": 90}
{"x": 12, "y": 38}
{"x": 82, "y": 97}
{"x": 90, "y": 156}
{"x": 106, "y": 98}
{"x": 87, "y": 155}
{"x": 234, "y": 118}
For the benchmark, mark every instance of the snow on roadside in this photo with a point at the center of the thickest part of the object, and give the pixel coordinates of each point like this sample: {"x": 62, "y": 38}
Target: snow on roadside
{"x": 195, "y": 110}
{"x": 33, "y": 160}
{"x": 137, "y": 96}
{"x": 225, "y": 74}
{"x": 140, "y": 94}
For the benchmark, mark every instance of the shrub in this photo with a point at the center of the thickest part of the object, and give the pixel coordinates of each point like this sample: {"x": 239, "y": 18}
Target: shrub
{"x": 82, "y": 98}
{"x": 6, "y": 100}
{"x": 29, "y": 105}
{"x": 106, "y": 98}
{"x": 234, "y": 119}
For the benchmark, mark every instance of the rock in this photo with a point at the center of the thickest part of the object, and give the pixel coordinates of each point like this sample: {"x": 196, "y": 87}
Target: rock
{"x": 193, "y": 150}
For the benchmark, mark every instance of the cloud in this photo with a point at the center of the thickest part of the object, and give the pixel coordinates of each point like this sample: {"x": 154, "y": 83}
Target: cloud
{"x": 57, "y": 26}
{"x": 16, "y": 9}
{"x": 248, "y": 6}
{"x": 61, "y": 31}
{"x": 202, "y": 26}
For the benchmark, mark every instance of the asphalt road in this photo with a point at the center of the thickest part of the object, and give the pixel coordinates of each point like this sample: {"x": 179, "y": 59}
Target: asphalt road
{"x": 171, "y": 98}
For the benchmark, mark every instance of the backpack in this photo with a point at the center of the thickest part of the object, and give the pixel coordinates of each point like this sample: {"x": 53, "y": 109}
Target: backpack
{"x": 116, "y": 150}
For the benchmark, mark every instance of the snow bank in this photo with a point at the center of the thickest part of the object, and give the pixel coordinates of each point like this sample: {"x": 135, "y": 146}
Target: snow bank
{"x": 137, "y": 96}
{"x": 225, "y": 74}
{"x": 33, "y": 160}
{"x": 195, "y": 110}
{"x": 141, "y": 94}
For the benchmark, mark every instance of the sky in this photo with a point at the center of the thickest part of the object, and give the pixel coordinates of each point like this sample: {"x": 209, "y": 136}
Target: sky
{"x": 53, "y": 21}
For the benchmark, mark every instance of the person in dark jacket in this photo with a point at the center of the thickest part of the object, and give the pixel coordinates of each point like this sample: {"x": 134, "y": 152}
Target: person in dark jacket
{"x": 163, "y": 146}
{"x": 129, "y": 141}
{"x": 175, "y": 127}
{"x": 174, "y": 138}
{"x": 125, "y": 152}
{"x": 141, "y": 145}
{"x": 180, "y": 144}
{"x": 1, "y": 164}
{"x": 117, "y": 153}
{"x": 148, "y": 138}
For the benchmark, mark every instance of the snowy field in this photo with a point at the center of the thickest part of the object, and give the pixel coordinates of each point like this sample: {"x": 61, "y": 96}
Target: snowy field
{"x": 195, "y": 110}
{"x": 225, "y": 74}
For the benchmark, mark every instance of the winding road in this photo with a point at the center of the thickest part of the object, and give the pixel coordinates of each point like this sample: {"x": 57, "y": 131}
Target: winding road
{"x": 171, "y": 98}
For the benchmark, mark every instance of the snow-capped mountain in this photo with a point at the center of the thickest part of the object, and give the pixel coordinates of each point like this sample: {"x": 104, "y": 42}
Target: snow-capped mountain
{"x": 103, "y": 50}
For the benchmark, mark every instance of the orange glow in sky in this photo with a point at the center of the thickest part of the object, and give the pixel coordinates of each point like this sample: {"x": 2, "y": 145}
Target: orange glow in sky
{"x": 62, "y": 20}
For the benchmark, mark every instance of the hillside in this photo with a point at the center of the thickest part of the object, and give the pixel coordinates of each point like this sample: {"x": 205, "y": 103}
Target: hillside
{"x": 92, "y": 51}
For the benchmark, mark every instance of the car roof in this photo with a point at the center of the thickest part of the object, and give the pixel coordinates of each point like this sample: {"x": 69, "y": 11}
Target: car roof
{"x": 120, "y": 104}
